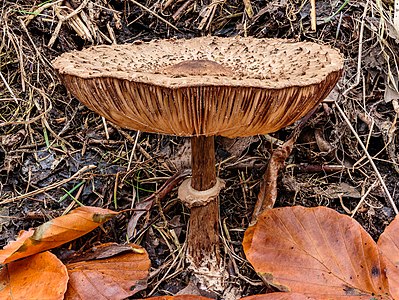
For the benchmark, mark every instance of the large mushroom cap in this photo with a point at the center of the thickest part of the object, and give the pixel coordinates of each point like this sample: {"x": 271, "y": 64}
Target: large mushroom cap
{"x": 202, "y": 86}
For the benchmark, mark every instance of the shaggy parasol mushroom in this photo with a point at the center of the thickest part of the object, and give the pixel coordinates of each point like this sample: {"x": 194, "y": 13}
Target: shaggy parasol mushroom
{"x": 200, "y": 88}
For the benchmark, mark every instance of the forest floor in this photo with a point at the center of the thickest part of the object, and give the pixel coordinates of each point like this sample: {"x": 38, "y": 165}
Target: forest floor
{"x": 47, "y": 138}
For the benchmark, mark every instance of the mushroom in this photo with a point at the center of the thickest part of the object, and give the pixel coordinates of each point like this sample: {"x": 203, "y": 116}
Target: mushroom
{"x": 200, "y": 88}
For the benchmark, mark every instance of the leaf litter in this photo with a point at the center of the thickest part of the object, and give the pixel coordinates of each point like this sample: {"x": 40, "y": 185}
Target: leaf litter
{"x": 319, "y": 252}
{"x": 113, "y": 272}
{"x": 110, "y": 271}
{"x": 55, "y": 232}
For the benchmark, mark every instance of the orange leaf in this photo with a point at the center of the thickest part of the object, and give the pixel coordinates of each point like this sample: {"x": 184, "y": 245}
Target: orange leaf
{"x": 179, "y": 297}
{"x": 389, "y": 245}
{"x": 316, "y": 251}
{"x": 117, "y": 277}
{"x": 296, "y": 296}
{"x": 55, "y": 232}
{"x": 41, "y": 276}
{"x": 279, "y": 296}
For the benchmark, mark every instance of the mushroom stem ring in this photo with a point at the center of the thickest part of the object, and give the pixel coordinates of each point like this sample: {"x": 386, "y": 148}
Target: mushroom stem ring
{"x": 192, "y": 197}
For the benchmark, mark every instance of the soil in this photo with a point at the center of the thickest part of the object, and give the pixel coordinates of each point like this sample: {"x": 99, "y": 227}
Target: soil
{"x": 47, "y": 136}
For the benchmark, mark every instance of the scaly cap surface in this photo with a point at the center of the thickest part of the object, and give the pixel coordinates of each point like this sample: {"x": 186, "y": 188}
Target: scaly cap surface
{"x": 202, "y": 86}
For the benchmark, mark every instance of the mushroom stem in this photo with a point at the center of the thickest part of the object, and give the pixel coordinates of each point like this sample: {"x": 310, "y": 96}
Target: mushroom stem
{"x": 203, "y": 162}
{"x": 203, "y": 236}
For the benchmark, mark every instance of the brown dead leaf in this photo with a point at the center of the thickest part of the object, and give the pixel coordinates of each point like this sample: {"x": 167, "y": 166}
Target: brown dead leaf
{"x": 296, "y": 296}
{"x": 41, "y": 276}
{"x": 271, "y": 7}
{"x": 316, "y": 251}
{"x": 112, "y": 278}
{"x": 11, "y": 140}
{"x": 55, "y": 232}
{"x": 99, "y": 252}
{"x": 268, "y": 186}
{"x": 322, "y": 143}
{"x": 181, "y": 160}
{"x": 389, "y": 246}
{"x": 279, "y": 296}
{"x": 337, "y": 190}
{"x": 390, "y": 92}
{"x": 178, "y": 297}
{"x": 238, "y": 145}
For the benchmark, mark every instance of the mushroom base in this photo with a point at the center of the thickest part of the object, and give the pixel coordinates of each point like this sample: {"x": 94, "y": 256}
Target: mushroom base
{"x": 210, "y": 274}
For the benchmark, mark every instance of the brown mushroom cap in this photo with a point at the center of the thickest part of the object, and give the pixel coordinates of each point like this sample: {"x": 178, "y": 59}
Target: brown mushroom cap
{"x": 202, "y": 86}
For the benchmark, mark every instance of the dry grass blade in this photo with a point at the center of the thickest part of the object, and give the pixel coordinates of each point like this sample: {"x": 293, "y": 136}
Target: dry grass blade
{"x": 8, "y": 88}
{"x": 155, "y": 14}
{"x": 39, "y": 10}
{"x": 73, "y": 20}
{"x": 313, "y": 15}
{"x": 248, "y": 8}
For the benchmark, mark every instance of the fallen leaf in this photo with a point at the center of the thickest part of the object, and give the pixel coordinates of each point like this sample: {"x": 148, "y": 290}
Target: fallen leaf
{"x": 41, "y": 276}
{"x": 13, "y": 246}
{"x": 179, "y": 297}
{"x": 316, "y": 251}
{"x": 271, "y": 7}
{"x": 238, "y": 145}
{"x": 322, "y": 143}
{"x": 279, "y": 296}
{"x": 190, "y": 289}
{"x": 389, "y": 246}
{"x": 55, "y": 232}
{"x": 11, "y": 140}
{"x": 101, "y": 251}
{"x": 337, "y": 190}
{"x": 389, "y": 242}
{"x": 390, "y": 92}
{"x": 181, "y": 159}
{"x": 296, "y": 296}
{"x": 268, "y": 186}
{"x": 112, "y": 278}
